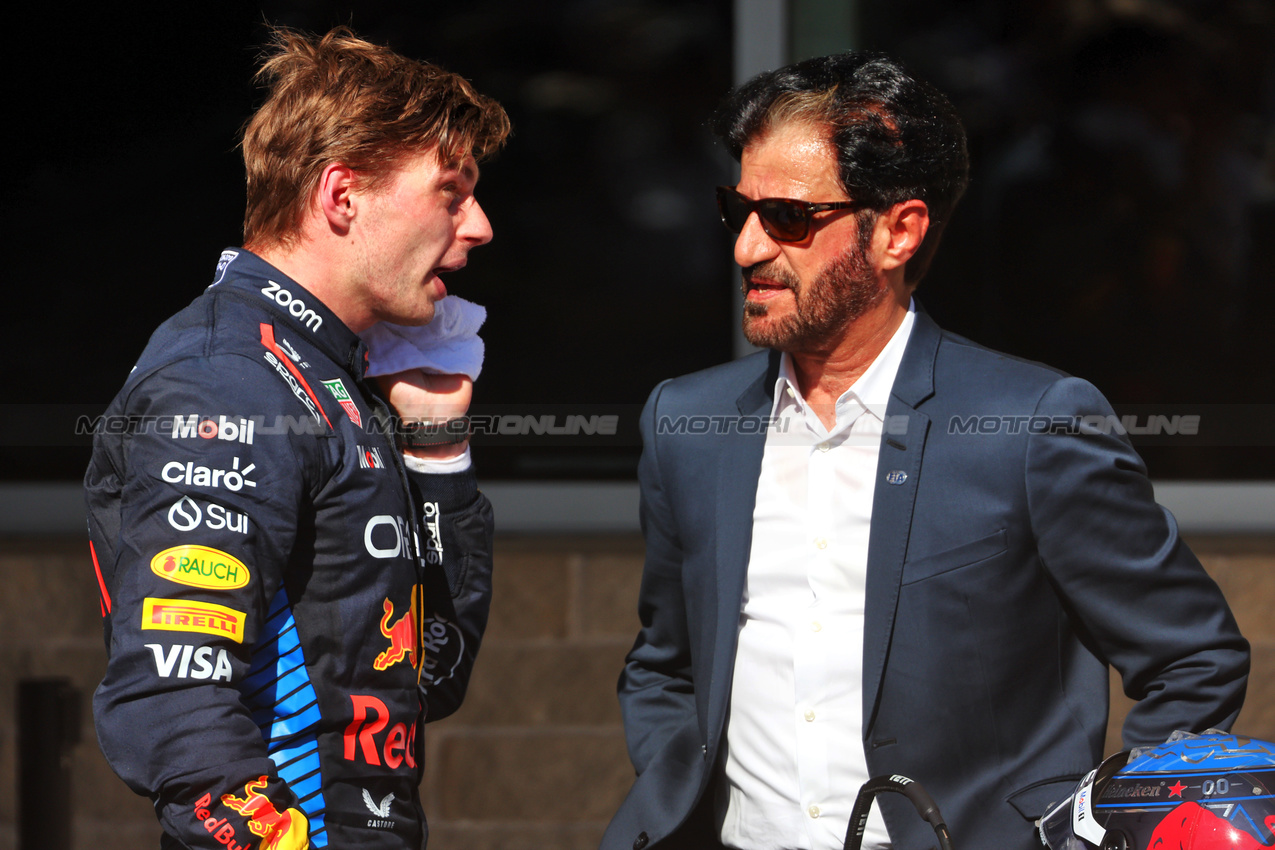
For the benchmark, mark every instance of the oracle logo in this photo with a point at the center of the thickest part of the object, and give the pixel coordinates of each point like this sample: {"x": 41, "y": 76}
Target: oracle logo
{"x": 387, "y": 536}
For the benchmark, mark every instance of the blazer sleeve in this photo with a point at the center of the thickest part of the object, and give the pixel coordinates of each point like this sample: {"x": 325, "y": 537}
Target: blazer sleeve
{"x": 1120, "y": 566}
{"x": 656, "y": 691}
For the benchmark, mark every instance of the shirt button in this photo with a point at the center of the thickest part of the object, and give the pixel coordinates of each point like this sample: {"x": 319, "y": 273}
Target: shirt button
{"x": 823, "y": 447}
{"x": 816, "y": 626}
{"x": 810, "y": 717}
{"x": 821, "y": 543}
{"x": 813, "y": 811}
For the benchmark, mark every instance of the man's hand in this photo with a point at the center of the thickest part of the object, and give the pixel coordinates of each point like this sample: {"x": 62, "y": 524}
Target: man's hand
{"x": 418, "y": 396}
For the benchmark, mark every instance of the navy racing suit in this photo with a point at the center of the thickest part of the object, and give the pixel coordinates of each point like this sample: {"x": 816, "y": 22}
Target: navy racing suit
{"x": 285, "y": 603}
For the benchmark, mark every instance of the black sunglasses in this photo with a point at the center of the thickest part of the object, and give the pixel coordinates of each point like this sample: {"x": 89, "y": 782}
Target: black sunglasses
{"x": 783, "y": 219}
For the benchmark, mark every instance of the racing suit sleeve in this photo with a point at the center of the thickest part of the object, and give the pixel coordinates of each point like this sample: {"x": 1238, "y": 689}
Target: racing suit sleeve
{"x": 192, "y": 517}
{"x": 1139, "y": 592}
{"x": 656, "y": 688}
{"x": 458, "y": 525}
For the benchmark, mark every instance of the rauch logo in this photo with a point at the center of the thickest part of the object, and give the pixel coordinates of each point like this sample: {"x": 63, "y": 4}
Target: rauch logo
{"x": 200, "y": 566}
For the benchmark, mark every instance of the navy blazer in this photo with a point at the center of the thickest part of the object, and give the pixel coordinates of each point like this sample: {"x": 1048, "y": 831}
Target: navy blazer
{"x": 1015, "y": 551}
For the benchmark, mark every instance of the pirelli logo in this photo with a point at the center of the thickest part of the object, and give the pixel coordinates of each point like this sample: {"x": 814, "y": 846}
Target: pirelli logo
{"x": 175, "y": 615}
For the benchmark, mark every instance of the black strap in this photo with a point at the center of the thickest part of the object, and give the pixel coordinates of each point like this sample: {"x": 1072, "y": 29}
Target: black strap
{"x": 910, "y": 788}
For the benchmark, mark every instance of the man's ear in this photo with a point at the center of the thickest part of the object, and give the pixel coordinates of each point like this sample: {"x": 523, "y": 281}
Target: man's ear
{"x": 337, "y": 188}
{"x": 900, "y": 231}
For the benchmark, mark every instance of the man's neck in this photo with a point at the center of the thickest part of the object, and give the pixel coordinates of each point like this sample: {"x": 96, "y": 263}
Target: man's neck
{"x": 823, "y": 376}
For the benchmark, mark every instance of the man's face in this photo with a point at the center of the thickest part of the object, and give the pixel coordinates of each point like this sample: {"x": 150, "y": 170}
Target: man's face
{"x": 421, "y": 223}
{"x": 801, "y": 296}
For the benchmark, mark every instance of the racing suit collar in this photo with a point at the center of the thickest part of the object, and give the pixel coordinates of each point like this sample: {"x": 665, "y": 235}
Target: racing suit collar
{"x": 242, "y": 271}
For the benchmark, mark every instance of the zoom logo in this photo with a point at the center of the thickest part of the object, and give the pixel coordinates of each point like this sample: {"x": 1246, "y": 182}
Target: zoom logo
{"x": 186, "y": 515}
{"x": 295, "y": 306}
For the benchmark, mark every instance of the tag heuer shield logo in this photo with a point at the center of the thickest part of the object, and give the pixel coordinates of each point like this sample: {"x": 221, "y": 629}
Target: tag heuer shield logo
{"x": 343, "y": 398}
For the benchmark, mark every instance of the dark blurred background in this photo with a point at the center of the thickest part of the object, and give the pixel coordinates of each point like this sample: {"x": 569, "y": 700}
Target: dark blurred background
{"x": 1120, "y": 224}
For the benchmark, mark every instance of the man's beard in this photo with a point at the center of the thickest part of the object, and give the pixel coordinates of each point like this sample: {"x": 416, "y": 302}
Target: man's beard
{"x": 841, "y": 293}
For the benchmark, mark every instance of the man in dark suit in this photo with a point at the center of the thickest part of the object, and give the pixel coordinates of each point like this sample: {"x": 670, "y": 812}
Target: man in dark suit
{"x": 879, "y": 548}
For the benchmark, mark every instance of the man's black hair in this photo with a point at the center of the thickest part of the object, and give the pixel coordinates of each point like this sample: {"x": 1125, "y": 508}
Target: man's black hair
{"x": 896, "y": 137}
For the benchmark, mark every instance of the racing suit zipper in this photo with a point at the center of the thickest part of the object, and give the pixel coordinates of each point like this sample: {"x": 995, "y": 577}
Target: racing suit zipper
{"x": 384, "y": 418}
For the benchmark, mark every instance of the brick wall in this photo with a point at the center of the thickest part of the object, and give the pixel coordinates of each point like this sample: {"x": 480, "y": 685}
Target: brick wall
{"x": 535, "y": 758}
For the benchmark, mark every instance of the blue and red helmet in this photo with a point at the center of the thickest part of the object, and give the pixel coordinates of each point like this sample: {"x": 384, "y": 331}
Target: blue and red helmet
{"x": 1214, "y": 791}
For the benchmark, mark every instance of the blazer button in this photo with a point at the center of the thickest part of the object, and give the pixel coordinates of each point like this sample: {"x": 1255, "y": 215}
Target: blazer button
{"x": 641, "y": 841}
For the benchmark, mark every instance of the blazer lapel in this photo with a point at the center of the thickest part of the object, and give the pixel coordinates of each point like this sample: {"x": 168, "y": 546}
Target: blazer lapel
{"x": 739, "y": 465}
{"x": 898, "y": 471}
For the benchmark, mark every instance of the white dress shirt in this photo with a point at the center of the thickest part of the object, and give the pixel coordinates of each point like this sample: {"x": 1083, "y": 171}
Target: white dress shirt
{"x": 794, "y": 758}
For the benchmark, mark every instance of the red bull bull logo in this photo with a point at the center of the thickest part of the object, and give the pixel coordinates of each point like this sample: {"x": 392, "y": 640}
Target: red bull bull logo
{"x": 286, "y": 830}
{"x": 402, "y": 636}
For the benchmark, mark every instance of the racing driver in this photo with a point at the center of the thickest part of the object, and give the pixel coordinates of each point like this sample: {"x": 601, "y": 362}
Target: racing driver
{"x": 294, "y": 563}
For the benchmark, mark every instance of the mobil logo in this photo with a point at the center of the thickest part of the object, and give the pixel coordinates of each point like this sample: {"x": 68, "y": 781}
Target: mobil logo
{"x": 235, "y": 430}
{"x": 370, "y": 458}
{"x": 201, "y": 566}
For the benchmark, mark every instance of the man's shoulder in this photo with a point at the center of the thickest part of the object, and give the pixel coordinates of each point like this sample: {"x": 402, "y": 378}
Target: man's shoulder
{"x": 972, "y": 368}
{"x": 723, "y": 382}
{"x": 211, "y": 326}
{"x": 212, "y": 350}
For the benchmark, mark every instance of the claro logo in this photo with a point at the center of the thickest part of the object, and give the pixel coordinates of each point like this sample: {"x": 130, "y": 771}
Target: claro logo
{"x": 233, "y": 479}
{"x": 200, "y": 566}
{"x": 295, "y": 306}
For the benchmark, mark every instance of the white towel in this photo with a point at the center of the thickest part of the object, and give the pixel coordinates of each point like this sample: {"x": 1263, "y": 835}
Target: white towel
{"x": 448, "y": 345}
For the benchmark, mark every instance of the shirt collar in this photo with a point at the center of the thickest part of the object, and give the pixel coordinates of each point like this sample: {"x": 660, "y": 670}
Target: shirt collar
{"x": 870, "y": 393}
{"x": 240, "y": 269}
